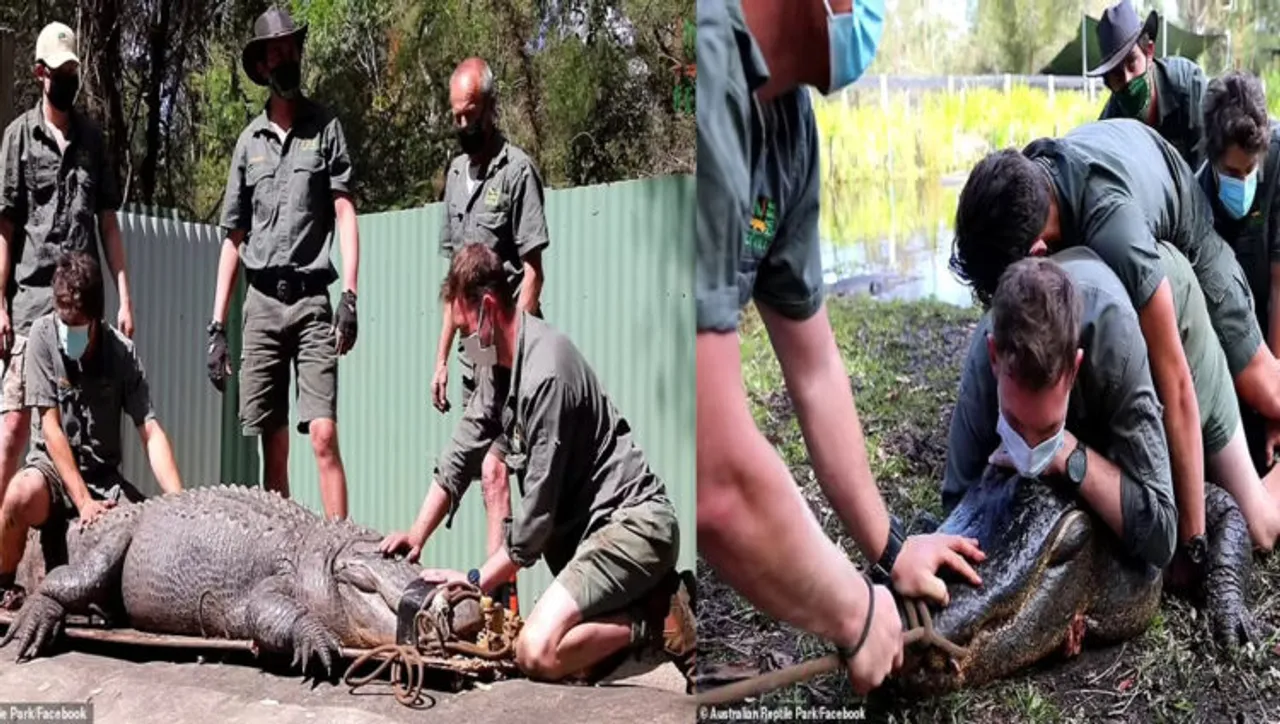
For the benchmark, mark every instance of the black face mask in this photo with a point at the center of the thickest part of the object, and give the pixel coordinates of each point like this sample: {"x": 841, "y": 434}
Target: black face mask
{"x": 471, "y": 138}
{"x": 62, "y": 90}
{"x": 285, "y": 78}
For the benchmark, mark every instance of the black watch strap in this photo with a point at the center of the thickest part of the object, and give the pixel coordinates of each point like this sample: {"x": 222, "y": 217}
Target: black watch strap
{"x": 882, "y": 571}
{"x": 215, "y": 327}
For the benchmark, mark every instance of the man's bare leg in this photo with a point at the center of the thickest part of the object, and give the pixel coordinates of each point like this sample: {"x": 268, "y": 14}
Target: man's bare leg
{"x": 1232, "y": 468}
{"x": 556, "y": 643}
{"x": 25, "y": 505}
{"x": 15, "y": 430}
{"x": 275, "y": 460}
{"x": 333, "y": 476}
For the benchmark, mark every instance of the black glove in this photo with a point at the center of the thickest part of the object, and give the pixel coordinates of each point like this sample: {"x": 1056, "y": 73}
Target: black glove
{"x": 219, "y": 365}
{"x": 346, "y": 323}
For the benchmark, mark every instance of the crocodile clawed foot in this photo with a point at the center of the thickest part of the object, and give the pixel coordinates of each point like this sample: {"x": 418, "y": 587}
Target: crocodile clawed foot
{"x": 1234, "y": 626}
{"x": 37, "y": 624}
{"x": 315, "y": 641}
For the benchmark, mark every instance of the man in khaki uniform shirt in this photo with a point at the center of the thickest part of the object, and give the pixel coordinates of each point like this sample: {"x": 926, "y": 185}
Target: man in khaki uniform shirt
{"x": 592, "y": 508}
{"x": 58, "y": 194}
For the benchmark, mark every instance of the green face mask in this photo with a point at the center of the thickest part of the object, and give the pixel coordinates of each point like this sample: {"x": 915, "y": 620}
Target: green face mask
{"x": 1135, "y": 97}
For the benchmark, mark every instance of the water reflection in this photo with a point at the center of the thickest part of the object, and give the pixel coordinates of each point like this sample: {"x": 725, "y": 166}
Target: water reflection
{"x": 892, "y": 241}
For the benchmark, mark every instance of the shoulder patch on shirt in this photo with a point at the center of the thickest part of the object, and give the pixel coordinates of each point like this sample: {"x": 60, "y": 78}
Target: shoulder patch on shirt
{"x": 763, "y": 226}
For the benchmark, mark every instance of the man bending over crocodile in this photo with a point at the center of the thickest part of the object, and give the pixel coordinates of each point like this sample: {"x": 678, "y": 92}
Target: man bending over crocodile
{"x": 81, "y": 374}
{"x": 591, "y": 506}
{"x": 1117, "y": 187}
{"x": 1060, "y": 354}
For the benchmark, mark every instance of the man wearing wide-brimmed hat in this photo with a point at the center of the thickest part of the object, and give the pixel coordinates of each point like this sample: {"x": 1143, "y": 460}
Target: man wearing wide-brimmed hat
{"x": 58, "y": 194}
{"x": 1165, "y": 93}
{"x": 289, "y": 185}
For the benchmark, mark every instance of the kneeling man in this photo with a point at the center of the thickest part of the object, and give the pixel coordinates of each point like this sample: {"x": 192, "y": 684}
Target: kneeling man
{"x": 591, "y": 507}
{"x": 80, "y": 375}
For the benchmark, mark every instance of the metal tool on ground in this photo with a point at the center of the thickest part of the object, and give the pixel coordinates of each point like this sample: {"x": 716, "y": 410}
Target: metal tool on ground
{"x": 917, "y": 629}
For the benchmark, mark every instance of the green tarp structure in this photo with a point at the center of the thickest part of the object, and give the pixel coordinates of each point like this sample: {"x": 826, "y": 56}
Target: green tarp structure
{"x": 1179, "y": 42}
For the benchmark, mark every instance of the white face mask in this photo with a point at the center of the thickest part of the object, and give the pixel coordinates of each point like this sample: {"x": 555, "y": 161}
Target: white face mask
{"x": 479, "y": 355}
{"x": 1028, "y": 461}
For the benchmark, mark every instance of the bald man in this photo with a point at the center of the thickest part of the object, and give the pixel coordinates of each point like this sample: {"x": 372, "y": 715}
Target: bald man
{"x": 492, "y": 195}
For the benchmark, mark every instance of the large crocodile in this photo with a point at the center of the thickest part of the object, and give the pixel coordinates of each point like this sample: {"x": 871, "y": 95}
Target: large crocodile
{"x": 229, "y": 562}
{"x": 1053, "y": 577}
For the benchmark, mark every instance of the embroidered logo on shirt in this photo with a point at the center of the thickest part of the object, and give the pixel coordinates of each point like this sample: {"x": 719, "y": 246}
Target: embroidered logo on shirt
{"x": 308, "y": 144}
{"x": 492, "y": 197}
{"x": 763, "y": 225}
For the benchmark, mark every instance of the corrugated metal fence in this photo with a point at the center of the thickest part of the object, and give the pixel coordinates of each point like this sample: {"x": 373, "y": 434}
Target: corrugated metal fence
{"x": 619, "y": 280}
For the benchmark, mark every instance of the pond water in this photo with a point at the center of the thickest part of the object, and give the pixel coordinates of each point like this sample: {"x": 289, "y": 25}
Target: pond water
{"x": 892, "y": 242}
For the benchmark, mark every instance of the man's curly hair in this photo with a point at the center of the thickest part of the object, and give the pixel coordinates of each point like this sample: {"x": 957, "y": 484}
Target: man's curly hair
{"x": 1003, "y": 208}
{"x": 1235, "y": 112}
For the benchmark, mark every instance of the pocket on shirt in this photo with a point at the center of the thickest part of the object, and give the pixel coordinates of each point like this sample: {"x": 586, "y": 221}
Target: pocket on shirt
{"x": 307, "y": 180}
{"x": 258, "y": 180}
{"x": 43, "y": 181}
{"x": 493, "y": 222}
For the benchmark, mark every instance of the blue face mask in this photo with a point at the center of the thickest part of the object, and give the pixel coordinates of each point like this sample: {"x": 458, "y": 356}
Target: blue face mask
{"x": 1029, "y": 461}
{"x": 1236, "y": 194}
{"x": 74, "y": 340}
{"x": 854, "y": 37}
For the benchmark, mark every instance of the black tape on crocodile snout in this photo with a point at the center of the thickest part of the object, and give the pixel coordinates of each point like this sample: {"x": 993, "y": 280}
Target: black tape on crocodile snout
{"x": 412, "y": 600}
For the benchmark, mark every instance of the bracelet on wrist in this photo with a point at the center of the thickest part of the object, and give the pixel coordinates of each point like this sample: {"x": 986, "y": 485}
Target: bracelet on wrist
{"x": 847, "y": 654}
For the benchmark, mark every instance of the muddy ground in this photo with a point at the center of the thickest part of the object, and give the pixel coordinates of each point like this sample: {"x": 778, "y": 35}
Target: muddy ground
{"x": 904, "y": 363}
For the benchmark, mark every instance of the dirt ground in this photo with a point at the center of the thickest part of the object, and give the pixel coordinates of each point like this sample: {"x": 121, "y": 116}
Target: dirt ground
{"x": 142, "y": 686}
{"x": 903, "y": 360}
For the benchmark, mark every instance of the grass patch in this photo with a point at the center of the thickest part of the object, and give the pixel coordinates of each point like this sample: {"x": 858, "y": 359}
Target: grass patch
{"x": 904, "y": 362}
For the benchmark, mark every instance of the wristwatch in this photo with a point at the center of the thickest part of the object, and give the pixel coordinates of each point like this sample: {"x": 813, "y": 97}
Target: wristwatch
{"x": 473, "y": 577}
{"x": 1077, "y": 464}
{"x": 882, "y": 571}
{"x": 1197, "y": 549}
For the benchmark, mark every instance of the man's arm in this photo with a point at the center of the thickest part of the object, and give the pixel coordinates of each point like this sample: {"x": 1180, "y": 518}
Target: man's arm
{"x": 1273, "y": 332}
{"x": 137, "y": 405}
{"x": 228, "y": 265}
{"x": 460, "y": 463}
{"x": 113, "y": 244}
{"x": 160, "y": 454}
{"x": 531, "y": 236}
{"x": 754, "y": 527}
{"x": 1172, "y": 376}
{"x": 338, "y": 160}
{"x": 972, "y": 437}
{"x": 13, "y": 195}
{"x": 64, "y": 462}
{"x": 815, "y": 377}
{"x": 547, "y": 412}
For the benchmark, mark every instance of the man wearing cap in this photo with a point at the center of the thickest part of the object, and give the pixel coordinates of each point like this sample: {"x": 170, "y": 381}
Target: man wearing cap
{"x": 58, "y": 193}
{"x": 1242, "y": 149}
{"x": 493, "y": 195}
{"x": 289, "y": 185}
{"x": 758, "y": 198}
{"x": 1166, "y": 93}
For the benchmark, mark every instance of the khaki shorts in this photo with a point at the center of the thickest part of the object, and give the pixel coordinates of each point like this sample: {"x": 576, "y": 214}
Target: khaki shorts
{"x": 13, "y": 386}
{"x": 1215, "y": 390}
{"x": 623, "y": 559}
{"x": 278, "y": 336}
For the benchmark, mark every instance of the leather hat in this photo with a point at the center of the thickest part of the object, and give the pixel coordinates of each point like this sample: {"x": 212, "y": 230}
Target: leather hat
{"x": 1118, "y": 30}
{"x": 274, "y": 23}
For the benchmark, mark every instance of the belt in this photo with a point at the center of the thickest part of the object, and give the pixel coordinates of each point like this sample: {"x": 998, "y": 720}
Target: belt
{"x": 287, "y": 287}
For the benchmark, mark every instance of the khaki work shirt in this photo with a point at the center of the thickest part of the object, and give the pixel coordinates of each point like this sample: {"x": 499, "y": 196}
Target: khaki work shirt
{"x": 280, "y": 191}
{"x": 1180, "y": 87}
{"x": 54, "y": 199}
{"x": 90, "y": 396}
{"x": 1113, "y": 409}
{"x": 504, "y": 212}
{"x": 573, "y": 453}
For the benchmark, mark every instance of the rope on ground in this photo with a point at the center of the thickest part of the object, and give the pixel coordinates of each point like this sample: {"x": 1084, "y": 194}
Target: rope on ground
{"x": 405, "y": 662}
